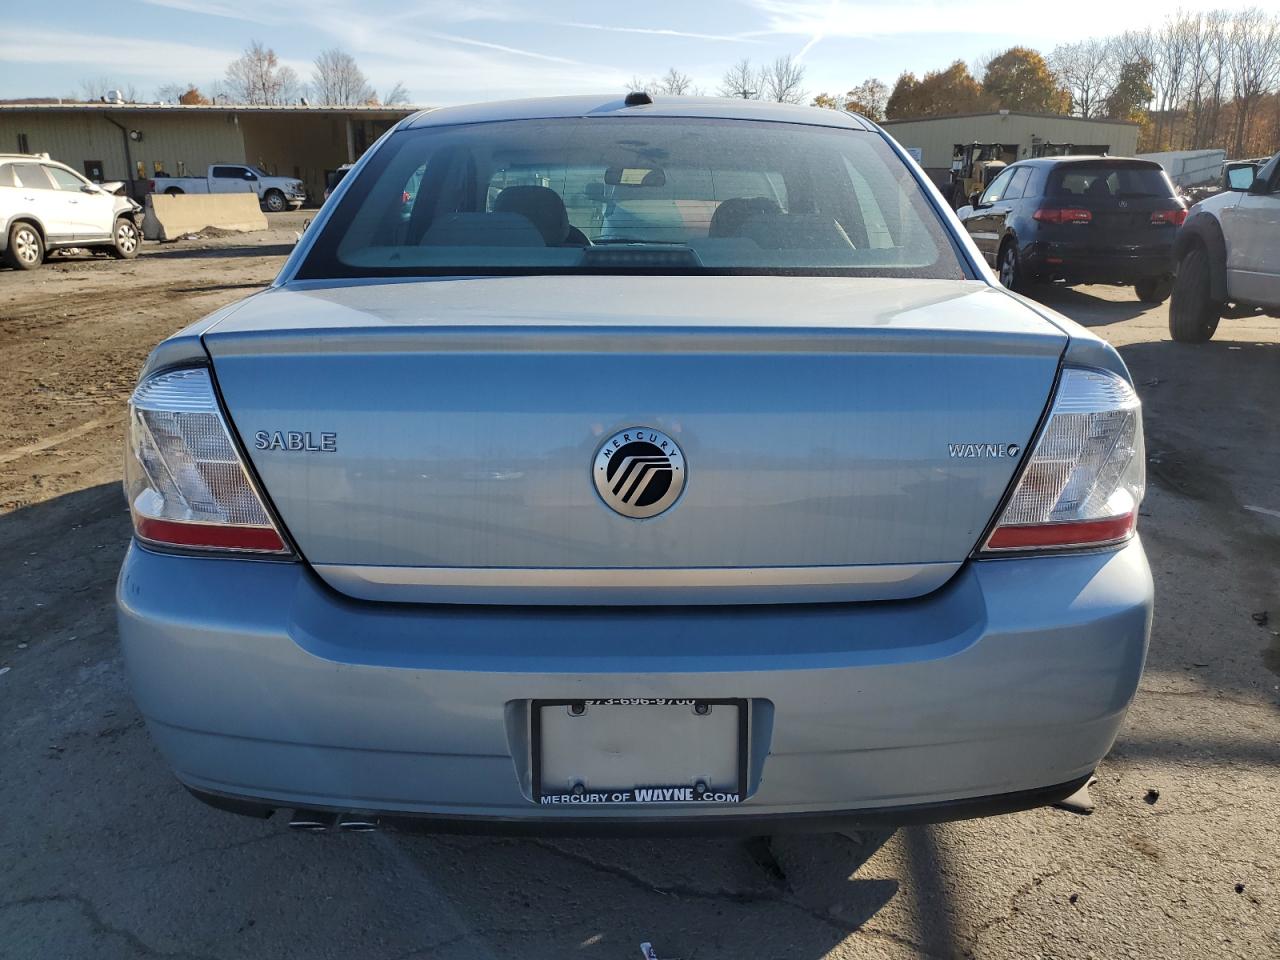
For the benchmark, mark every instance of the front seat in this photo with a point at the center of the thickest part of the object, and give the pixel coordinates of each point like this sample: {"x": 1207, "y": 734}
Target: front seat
{"x": 731, "y": 216}
{"x": 542, "y": 207}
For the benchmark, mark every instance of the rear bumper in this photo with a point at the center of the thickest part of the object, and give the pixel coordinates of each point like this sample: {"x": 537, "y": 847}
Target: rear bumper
{"x": 260, "y": 684}
{"x": 734, "y": 824}
{"x": 1086, "y": 263}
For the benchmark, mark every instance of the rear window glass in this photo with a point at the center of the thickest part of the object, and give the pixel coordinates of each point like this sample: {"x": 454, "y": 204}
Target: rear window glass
{"x": 620, "y": 195}
{"x": 1109, "y": 182}
{"x": 32, "y": 176}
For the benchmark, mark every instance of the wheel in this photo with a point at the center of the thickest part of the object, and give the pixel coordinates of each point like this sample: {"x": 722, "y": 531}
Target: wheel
{"x": 1193, "y": 314}
{"x": 125, "y": 240}
{"x": 173, "y": 192}
{"x": 26, "y": 248}
{"x": 1153, "y": 289}
{"x": 275, "y": 201}
{"x": 1010, "y": 270}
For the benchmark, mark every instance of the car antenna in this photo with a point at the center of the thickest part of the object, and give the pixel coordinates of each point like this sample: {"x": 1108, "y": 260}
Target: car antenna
{"x": 638, "y": 98}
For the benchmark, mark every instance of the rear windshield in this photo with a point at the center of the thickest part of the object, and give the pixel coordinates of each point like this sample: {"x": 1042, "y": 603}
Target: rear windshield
{"x": 626, "y": 195}
{"x": 1109, "y": 181}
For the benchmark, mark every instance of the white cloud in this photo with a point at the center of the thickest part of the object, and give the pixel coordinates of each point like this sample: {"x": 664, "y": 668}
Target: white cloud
{"x": 659, "y": 32}
{"x": 95, "y": 52}
{"x": 818, "y": 19}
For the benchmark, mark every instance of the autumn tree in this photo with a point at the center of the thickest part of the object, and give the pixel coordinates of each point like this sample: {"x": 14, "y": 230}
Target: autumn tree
{"x": 1132, "y": 92}
{"x": 868, "y": 98}
{"x": 185, "y": 93}
{"x": 258, "y": 77}
{"x": 1020, "y": 79}
{"x": 338, "y": 81}
{"x": 940, "y": 93}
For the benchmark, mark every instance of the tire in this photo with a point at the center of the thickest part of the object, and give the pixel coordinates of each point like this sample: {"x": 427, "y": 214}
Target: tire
{"x": 174, "y": 192}
{"x": 275, "y": 202}
{"x": 125, "y": 239}
{"x": 1193, "y": 314}
{"x": 1153, "y": 289}
{"x": 26, "y": 247}
{"x": 1009, "y": 269}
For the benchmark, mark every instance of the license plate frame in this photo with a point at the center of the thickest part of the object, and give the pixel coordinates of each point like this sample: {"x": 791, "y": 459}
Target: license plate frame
{"x": 644, "y": 794}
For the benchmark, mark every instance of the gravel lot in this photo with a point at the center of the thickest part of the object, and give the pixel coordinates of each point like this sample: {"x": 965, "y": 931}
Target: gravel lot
{"x": 103, "y": 855}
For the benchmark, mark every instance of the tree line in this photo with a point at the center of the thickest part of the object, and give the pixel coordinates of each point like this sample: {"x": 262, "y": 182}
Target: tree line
{"x": 1199, "y": 80}
{"x": 781, "y": 80}
{"x": 1204, "y": 79}
{"x": 259, "y": 78}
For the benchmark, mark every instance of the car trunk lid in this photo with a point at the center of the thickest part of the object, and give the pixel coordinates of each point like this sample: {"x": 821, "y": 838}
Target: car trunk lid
{"x": 434, "y": 440}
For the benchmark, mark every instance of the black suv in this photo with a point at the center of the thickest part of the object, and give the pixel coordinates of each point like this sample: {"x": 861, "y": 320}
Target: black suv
{"x": 1079, "y": 219}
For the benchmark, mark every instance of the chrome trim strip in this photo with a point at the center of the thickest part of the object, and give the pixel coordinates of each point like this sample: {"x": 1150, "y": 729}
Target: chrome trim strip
{"x": 637, "y": 586}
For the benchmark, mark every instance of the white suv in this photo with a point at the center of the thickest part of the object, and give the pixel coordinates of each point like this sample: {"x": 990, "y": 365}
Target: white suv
{"x": 45, "y": 205}
{"x": 1228, "y": 254}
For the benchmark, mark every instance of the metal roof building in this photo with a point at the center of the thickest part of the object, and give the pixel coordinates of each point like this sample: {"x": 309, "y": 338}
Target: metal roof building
{"x": 134, "y": 141}
{"x": 1023, "y": 133}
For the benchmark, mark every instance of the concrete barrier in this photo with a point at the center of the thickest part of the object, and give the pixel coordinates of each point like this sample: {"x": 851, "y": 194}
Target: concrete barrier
{"x": 170, "y": 217}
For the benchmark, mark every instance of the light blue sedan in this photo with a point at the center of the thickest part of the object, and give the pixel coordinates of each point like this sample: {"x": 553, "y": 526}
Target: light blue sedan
{"x": 666, "y": 464}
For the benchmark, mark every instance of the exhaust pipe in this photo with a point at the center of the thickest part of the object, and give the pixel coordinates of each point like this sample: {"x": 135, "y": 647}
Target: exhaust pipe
{"x": 312, "y": 821}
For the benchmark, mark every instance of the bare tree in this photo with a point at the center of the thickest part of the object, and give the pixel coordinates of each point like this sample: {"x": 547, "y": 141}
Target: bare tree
{"x": 783, "y": 81}
{"x": 675, "y": 83}
{"x": 397, "y": 96}
{"x": 96, "y": 88}
{"x": 170, "y": 92}
{"x": 1087, "y": 71}
{"x": 258, "y": 77}
{"x": 1255, "y": 65}
{"x": 743, "y": 81}
{"x": 338, "y": 81}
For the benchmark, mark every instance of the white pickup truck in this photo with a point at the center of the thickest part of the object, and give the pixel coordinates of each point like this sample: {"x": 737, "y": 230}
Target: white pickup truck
{"x": 274, "y": 193}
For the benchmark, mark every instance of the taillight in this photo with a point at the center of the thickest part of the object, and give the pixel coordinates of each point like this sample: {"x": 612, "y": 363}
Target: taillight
{"x": 1174, "y": 217}
{"x": 1062, "y": 215}
{"x": 1083, "y": 482}
{"x": 184, "y": 479}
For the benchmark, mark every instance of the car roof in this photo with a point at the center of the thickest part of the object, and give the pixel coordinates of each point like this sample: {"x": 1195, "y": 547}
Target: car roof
{"x": 1082, "y": 158}
{"x": 547, "y": 108}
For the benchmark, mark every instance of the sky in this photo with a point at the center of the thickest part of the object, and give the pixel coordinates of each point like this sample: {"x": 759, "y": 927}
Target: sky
{"x": 459, "y": 51}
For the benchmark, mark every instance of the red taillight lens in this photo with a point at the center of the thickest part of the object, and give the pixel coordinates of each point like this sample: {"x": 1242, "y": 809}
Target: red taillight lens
{"x": 184, "y": 479}
{"x": 1083, "y": 482}
{"x": 1062, "y": 215}
{"x": 1175, "y": 217}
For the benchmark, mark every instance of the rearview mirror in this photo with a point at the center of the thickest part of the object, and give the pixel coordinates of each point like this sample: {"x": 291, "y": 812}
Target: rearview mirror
{"x": 635, "y": 176}
{"x": 1241, "y": 178}
{"x": 89, "y": 188}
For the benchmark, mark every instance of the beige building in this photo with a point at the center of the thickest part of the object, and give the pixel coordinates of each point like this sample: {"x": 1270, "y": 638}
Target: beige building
{"x": 134, "y": 141}
{"x": 1022, "y": 134}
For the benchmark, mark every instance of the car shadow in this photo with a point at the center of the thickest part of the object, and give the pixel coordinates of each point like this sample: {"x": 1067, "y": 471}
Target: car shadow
{"x": 1083, "y": 307}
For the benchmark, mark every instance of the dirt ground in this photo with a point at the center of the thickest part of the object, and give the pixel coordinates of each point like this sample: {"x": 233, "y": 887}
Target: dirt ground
{"x": 103, "y": 855}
